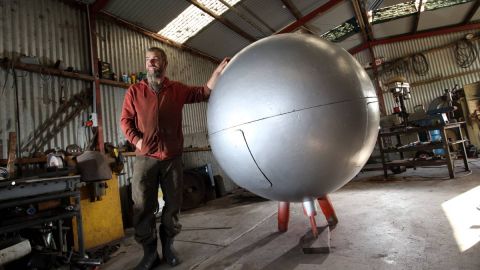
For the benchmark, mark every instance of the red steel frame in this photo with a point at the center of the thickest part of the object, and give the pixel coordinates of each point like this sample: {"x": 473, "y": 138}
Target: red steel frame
{"x": 283, "y": 216}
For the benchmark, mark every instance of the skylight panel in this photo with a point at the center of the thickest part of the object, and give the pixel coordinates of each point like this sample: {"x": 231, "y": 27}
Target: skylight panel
{"x": 214, "y": 5}
{"x": 394, "y": 12}
{"x": 342, "y": 31}
{"x": 193, "y": 19}
{"x": 434, "y": 4}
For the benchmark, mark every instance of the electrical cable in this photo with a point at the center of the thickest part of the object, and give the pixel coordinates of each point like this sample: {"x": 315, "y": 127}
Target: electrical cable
{"x": 5, "y": 84}
{"x": 46, "y": 79}
{"x": 465, "y": 53}
{"x": 420, "y": 64}
{"x": 11, "y": 67}
{"x": 9, "y": 71}
{"x": 401, "y": 66}
{"x": 387, "y": 68}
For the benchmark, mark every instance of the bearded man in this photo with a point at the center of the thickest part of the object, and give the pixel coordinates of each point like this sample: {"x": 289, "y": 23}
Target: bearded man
{"x": 152, "y": 120}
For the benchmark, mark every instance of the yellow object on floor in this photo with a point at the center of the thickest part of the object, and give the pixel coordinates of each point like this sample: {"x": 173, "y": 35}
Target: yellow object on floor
{"x": 102, "y": 220}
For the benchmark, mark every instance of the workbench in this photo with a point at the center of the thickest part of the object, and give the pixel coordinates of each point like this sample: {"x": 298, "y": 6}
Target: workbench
{"x": 20, "y": 192}
{"x": 445, "y": 144}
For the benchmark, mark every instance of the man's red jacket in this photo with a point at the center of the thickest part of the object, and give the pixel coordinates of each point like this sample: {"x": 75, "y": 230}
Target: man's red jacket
{"x": 157, "y": 117}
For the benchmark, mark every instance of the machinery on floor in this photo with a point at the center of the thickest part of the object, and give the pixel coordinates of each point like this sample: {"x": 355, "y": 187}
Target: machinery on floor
{"x": 53, "y": 209}
{"x": 433, "y": 136}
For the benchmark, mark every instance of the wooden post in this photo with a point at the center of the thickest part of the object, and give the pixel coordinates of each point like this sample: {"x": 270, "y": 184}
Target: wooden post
{"x": 12, "y": 149}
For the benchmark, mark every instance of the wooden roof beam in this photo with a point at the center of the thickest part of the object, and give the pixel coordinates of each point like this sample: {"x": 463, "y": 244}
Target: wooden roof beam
{"x": 305, "y": 19}
{"x": 98, "y": 5}
{"x": 417, "y": 17}
{"x": 472, "y": 12}
{"x": 422, "y": 34}
{"x": 298, "y": 15}
{"x": 292, "y": 8}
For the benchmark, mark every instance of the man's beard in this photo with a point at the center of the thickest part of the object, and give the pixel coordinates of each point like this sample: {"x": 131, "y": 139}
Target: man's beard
{"x": 152, "y": 77}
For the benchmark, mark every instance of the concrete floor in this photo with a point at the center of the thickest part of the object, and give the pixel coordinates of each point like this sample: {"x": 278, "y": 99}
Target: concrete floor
{"x": 394, "y": 224}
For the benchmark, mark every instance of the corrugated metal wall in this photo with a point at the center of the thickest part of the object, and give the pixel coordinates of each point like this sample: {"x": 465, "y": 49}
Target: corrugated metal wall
{"x": 363, "y": 57}
{"x": 50, "y": 31}
{"x": 441, "y": 64}
{"x": 125, "y": 49}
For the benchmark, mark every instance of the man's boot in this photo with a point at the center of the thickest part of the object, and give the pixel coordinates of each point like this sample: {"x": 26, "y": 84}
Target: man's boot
{"x": 168, "y": 252}
{"x": 150, "y": 257}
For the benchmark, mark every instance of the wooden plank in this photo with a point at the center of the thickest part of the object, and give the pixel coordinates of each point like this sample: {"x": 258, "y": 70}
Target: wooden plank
{"x": 310, "y": 16}
{"x": 12, "y": 149}
{"x": 57, "y": 72}
{"x": 417, "y": 18}
{"x": 115, "y": 83}
{"x": 22, "y": 161}
{"x": 48, "y": 71}
{"x": 185, "y": 150}
{"x": 472, "y": 12}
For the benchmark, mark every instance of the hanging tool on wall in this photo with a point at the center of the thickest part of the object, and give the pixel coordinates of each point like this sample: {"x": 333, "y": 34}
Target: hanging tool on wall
{"x": 57, "y": 121}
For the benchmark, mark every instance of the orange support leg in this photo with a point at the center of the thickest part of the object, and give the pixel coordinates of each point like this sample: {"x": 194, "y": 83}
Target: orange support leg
{"x": 313, "y": 224}
{"x": 309, "y": 210}
{"x": 283, "y": 216}
{"x": 328, "y": 211}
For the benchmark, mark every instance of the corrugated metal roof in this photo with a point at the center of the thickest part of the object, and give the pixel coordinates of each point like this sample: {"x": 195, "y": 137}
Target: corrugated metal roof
{"x": 476, "y": 17}
{"x": 154, "y": 15}
{"x": 307, "y": 6}
{"x": 351, "y": 42}
{"x": 258, "y": 30}
{"x": 394, "y": 27}
{"x": 444, "y": 16}
{"x": 150, "y": 14}
{"x": 334, "y": 17}
{"x": 217, "y": 40}
{"x": 271, "y": 11}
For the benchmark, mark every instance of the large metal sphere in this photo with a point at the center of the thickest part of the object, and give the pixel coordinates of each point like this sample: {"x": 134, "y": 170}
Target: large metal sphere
{"x": 293, "y": 117}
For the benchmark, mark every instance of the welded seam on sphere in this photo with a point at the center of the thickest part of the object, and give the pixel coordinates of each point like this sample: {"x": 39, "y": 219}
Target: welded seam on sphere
{"x": 293, "y": 111}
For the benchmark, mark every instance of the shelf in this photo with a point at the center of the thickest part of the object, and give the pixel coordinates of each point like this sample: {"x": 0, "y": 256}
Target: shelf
{"x": 48, "y": 71}
{"x": 417, "y": 129}
{"x": 36, "y": 199}
{"x": 412, "y": 163}
{"x": 185, "y": 150}
{"x": 57, "y": 72}
{"x": 37, "y": 219}
{"x": 430, "y": 146}
{"x": 21, "y": 161}
{"x": 416, "y": 163}
{"x": 115, "y": 83}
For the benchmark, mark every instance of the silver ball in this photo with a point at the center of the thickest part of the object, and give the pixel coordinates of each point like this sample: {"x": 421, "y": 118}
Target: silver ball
{"x": 293, "y": 117}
